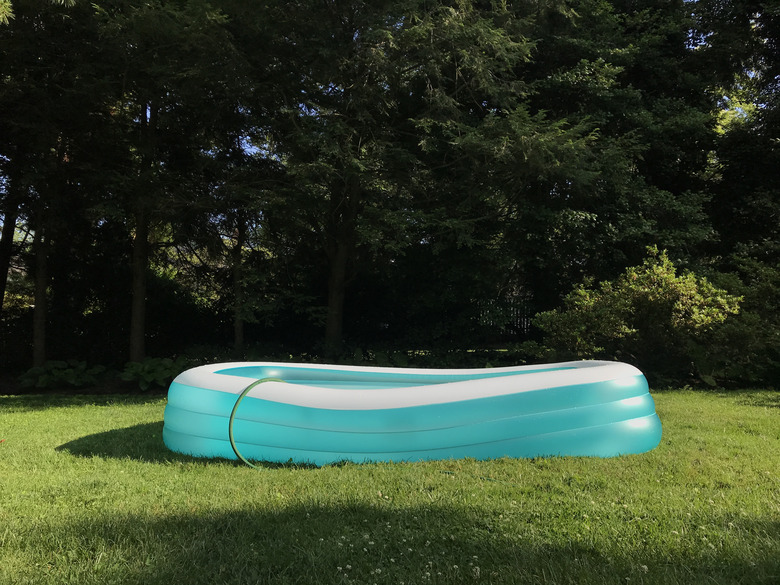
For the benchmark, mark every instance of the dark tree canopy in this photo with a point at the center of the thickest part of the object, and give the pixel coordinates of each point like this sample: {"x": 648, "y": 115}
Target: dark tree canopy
{"x": 321, "y": 178}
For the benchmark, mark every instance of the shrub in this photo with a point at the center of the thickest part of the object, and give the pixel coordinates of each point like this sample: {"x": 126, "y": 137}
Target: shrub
{"x": 154, "y": 371}
{"x": 58, "y": 374}
{"x": 747, "y": 348}
{"x": 649, "y": 316}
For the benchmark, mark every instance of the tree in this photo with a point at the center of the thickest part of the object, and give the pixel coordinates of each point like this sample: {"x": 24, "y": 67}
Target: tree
{"x": 628, "y": 73}
{"x": 743, "y": 42}
{"x": 50, "y": 113}
{"x": 175, "y": 106}
{"x": 392, "y": 115}
{"x": 115, "y": 133}
{"x": 408, "y": 172}
{"x": 7, "y": 12}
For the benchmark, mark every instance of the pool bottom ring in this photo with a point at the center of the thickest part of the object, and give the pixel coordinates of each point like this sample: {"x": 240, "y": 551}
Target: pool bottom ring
{"x": 320, "y": 414}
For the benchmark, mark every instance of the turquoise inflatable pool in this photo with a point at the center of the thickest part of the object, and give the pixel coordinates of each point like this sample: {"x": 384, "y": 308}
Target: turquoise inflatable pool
{"x": 320, "y": 414}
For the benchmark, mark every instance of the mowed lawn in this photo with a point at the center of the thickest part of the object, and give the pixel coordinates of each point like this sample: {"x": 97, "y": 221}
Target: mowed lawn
{"x": 90, "y": 495}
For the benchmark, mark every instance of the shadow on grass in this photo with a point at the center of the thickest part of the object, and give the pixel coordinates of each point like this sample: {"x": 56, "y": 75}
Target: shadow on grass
{"x": 362, "y": 543}
{"x": 142, "y": 442}
{"x": 763, "y": 399}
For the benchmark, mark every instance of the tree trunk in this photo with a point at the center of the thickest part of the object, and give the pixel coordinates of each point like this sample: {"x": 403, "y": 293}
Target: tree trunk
{"x": 140, "y": 263}
{"x": 238, "y": 288}
{"x": 41, "y": 247}
{"x": 140, "y": 255}
{"x": 337, "y": 287}
{"x": 340, "y": 249}
{"x": 6, "y": 249}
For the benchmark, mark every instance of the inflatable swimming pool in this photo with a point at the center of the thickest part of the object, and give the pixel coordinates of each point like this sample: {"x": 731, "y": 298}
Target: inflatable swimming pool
{"x": 320, "y": 414}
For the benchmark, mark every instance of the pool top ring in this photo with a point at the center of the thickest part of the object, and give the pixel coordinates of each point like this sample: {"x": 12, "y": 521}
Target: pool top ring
{"x": 320, "y": 414}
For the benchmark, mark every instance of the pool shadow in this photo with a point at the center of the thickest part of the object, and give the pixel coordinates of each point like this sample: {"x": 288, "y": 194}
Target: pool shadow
{"x": 144, "y": 442}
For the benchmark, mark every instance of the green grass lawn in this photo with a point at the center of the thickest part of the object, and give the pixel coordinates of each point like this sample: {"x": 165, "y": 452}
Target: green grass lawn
{"x": 89, "y": 494}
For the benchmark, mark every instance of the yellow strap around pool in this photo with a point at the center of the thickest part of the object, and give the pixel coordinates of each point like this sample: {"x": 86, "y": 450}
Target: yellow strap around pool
{"x": 233, "y": 416}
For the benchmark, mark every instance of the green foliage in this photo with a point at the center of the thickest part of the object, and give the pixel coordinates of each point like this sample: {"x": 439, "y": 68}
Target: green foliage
{"x": 58, "y": 374}
{"x": 6, "y": 11}
{"x": 746, "y": 349}
{"x": 528, "y": 352}
{"x": 381, "y": 170}
{"x": 155, "y": 371}
{"x": 650, "y": 316}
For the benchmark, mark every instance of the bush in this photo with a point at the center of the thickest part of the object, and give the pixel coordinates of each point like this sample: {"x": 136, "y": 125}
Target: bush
{"x": 58, "y": 374}
{"x": 649, "y": 316}
{"x": 155, "y": 371}
{"x": 747, "y": 347}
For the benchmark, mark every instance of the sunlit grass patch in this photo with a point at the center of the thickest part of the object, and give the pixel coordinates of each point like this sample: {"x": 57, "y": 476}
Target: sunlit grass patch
{"x": 89, "y": 494}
